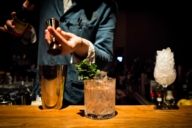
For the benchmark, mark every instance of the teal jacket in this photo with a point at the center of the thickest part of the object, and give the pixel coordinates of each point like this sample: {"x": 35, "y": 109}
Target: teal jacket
{"x": 93, "y": 20}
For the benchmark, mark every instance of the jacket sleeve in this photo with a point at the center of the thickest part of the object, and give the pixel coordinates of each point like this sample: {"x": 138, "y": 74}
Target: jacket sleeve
{"x": 105, "y": 37}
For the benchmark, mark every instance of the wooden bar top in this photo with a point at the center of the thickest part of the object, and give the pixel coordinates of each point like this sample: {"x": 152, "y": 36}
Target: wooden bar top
{"x": 128, "y": 116}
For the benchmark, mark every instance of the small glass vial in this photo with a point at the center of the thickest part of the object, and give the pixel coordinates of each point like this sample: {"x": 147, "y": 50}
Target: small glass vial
{"x": 54, "y": 47}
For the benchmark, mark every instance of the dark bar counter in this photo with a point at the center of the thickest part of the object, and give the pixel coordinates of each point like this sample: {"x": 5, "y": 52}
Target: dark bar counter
{"x": 128, "y": 116}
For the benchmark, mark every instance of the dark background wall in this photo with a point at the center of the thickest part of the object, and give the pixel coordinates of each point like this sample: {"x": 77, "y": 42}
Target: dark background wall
{"x": 144, "y": 27}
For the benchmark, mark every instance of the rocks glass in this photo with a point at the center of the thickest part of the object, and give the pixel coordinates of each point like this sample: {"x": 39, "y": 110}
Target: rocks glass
{"x": 99, "y": 98}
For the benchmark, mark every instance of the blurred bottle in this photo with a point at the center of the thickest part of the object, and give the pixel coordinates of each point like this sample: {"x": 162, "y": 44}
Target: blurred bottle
{"x": 153, "y": 86}
{"x": 184, "y": 91}
{"x": 159, "y": 100}
{"x": 169, "y": 98}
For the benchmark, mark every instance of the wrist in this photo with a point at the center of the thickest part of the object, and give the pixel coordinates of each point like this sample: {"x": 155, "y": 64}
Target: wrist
{"x": 81, "y": 49}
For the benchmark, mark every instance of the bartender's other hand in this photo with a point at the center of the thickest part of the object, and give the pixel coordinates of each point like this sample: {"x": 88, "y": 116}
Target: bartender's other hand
{"x": 3, "y": 28}
{"x": 9, "y": 24}
{"x": 70, "y": 42}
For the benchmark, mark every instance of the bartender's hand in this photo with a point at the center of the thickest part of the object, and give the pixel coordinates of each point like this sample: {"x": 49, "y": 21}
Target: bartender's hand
{"x": 11, "y": 27}
{"x": 70, "y": 42}
{"x": 9, "y": 24}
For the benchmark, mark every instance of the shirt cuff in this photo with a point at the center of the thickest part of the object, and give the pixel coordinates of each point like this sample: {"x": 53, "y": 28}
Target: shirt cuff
{"x": 90, "y": 56}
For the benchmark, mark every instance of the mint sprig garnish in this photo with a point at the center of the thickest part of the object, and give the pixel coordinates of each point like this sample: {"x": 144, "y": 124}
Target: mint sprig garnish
{"x": 87, "y": 70}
